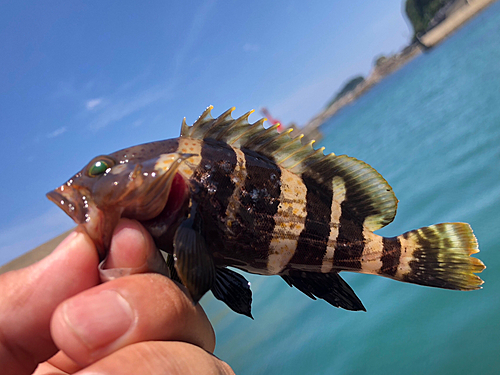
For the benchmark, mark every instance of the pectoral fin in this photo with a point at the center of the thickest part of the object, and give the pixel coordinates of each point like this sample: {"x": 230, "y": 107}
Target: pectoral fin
{"x": 234, "y": 290}
{"x": 193, "y": 262}
{"x": 171, "y": 267}
{"x": 328, "y": 286}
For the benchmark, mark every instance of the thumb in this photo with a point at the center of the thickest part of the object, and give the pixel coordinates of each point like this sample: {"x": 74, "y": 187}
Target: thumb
{"x": 29, "y": 296}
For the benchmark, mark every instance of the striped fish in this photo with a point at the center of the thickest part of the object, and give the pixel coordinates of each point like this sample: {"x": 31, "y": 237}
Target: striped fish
{"x": 228, "y": 193}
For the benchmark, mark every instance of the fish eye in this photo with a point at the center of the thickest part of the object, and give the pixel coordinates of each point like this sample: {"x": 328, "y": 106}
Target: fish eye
{"x": 100, "y": 166}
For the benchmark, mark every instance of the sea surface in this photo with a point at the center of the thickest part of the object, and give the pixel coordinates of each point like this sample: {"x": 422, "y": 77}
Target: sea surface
{"x": 432, "y": 129}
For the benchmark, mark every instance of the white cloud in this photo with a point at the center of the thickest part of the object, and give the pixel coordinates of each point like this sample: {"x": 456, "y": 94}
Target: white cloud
{"x": 248, "y": 47}
{"x": 122, "y": 108}
{"x": 57, "y": 132}
{"x": 138, "y": 122}
{"x": 91, "y": 104}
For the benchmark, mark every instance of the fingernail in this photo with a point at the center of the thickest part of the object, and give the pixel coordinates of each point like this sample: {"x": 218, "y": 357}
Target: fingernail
{"x": 99, "y": 319}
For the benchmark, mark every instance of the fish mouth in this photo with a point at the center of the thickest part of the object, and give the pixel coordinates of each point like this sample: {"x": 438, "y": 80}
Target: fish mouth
{"x": 71, "y": 202}
{"x": 97, "y": 224}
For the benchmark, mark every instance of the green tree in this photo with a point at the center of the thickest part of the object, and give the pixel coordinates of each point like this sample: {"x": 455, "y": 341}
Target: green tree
{"x": 380, "y": 60}
{"x": 349, "y": 86}
{"x": 421, "y": 12}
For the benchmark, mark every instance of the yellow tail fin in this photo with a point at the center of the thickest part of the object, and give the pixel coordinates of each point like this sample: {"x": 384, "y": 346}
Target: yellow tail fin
{"x": 439, "y": 256}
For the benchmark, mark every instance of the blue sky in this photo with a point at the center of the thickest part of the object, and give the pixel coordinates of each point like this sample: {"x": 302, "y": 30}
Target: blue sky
{"x": 83, "y": 78}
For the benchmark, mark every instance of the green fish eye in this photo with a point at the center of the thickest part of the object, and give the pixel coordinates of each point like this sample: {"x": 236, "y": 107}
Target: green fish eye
{"x": 99, "y": 167}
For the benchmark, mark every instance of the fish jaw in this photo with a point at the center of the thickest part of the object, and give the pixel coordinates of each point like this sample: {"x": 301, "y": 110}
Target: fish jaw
{"x": 71, "y": 201}
{"x": 98, "y": 224}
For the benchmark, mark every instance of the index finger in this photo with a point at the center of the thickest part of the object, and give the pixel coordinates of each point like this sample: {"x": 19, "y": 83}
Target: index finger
{"x": 132, "y": 251}
{"x": 29, "y": 296}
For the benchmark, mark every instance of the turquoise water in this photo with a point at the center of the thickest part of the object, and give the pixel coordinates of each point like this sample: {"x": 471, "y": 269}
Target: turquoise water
{"x": 432, "y": 129}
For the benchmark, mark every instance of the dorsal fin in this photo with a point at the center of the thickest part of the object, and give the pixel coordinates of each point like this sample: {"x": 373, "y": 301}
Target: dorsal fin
{"x": 358, "y": 186}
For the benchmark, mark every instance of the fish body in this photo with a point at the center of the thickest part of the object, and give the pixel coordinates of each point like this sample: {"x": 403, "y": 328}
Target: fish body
{"x": 228, "y": 193}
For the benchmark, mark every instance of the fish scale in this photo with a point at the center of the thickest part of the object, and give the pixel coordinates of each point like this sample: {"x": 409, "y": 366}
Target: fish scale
{"x": 228, "y": 193}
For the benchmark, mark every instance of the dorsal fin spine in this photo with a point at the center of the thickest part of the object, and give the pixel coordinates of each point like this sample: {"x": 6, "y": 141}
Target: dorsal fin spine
{"x": 288, "y": 149}
{"x": 287, "y": 143}
{"x": 217, "y": 125}
{"x": 274, "y": 139}
{"x": 289, "y": 155}
{"x": 260, "y": 138}
{"x": 252, "y": 129}
{"x": 184, "y": 128}
{"x": 205, "y": 118}
{"x": 236, "y": 126}
{"x": 298, "y": 156}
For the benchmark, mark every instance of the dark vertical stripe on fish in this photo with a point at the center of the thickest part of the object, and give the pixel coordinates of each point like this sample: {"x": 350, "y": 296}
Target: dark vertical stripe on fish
{"x": 391, "y": 254}
{"x": 350, "y": 241}
{"x": 259, "y": 203}
{"x": 313, "y": 240}
{"x": 213, "y": 175}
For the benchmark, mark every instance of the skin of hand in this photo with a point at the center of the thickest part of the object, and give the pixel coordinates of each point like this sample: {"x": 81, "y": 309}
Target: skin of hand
{"x": 56, "y": 317}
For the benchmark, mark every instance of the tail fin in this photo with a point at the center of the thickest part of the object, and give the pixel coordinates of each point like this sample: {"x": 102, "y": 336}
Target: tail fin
{"x": 438, "y": 255}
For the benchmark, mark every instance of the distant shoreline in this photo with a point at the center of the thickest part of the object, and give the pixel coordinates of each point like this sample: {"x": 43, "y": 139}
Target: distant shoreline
{"x": 433, "y": 37}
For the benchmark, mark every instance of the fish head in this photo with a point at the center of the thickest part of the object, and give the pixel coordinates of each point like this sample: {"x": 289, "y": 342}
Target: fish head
{"x": 128, "y": 183}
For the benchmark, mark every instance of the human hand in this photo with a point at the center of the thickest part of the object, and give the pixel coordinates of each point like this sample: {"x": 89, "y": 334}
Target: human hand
{"x": 56, "y": 315}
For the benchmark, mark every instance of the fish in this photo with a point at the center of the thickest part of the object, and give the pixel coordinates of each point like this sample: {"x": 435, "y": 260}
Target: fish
{"x": 230, "y": 193}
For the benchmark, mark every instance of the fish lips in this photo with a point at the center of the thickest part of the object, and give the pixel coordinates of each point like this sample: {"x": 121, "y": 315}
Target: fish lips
{"x": 70, "y": 201}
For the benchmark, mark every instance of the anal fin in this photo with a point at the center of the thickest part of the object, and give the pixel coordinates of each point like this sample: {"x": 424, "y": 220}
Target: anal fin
{"x": 327, "y": 286}
{"x": 234, "y": 290}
